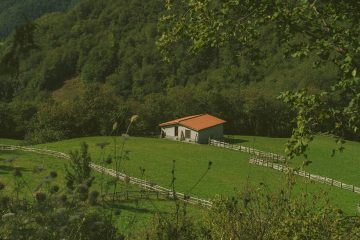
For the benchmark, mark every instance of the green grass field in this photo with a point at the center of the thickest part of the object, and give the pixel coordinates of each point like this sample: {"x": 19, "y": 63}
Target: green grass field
{"x": 134, "y": 214}
{"x": 344, "y": 166}
{"x": 230, "y": 170}
{"x": 229, "y": 173}
{"x": 10, "y": 141}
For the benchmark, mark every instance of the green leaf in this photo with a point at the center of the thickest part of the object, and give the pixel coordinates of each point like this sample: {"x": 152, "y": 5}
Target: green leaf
{"x": 354, "y": 72}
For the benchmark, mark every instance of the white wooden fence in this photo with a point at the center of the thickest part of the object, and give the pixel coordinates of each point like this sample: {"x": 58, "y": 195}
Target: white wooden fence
{"x": 121, "y": 176}
{"x": 261, "y": 154}
{"x": 304, "y": 174}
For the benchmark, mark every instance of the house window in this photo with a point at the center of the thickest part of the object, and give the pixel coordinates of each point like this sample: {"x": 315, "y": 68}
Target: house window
{"x": 176, "y": 131}
{"x": 187, "y": 133}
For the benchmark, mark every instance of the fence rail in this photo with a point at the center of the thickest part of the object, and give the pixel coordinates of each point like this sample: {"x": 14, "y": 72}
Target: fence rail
{"x": 316, "y": 178}
{"x": 134, "y": 195}
{"x": 146, "y": 185}
{"x": 258, "y": 153}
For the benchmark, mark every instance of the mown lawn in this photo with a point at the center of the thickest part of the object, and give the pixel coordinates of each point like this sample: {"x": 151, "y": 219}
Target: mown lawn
{"x": 344, "y": 166}
{"x": 230, "y": 170}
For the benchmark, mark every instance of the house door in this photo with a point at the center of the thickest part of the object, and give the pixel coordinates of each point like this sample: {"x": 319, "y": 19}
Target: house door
{"x": 187, "y": 133}
{"x": 182, "y": 137}
{"x": 176, "y": 131}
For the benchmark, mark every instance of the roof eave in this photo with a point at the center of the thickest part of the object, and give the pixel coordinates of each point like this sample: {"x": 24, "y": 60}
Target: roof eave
{"x": 166, "y": 124}
{"x": 200, "y": 129}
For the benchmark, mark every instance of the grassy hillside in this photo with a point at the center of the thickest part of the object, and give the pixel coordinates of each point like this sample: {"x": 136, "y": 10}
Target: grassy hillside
{"x": 10, "y": 141}
{"x": 134, "y": 214}
{"x": 344, "y": 166}
{"x": 230, "y": 170}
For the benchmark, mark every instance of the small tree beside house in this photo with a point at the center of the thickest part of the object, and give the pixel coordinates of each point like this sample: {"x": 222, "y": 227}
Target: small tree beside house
{"x": 196, "y": 128}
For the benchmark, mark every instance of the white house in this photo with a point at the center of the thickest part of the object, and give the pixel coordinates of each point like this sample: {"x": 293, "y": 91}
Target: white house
{"x": 196, "y": 128}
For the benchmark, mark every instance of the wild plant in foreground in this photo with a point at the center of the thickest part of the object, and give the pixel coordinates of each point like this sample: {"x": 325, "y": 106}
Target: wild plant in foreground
{"x": 122, "y": 154}
{"x": 178, "y": 224}
{"x": 103, "y": 161}
{"x": 258, "y": 213}
{"x": 57, "y": 212}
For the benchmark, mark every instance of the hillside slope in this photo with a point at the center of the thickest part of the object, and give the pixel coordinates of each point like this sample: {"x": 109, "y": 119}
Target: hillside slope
{"x": 35, "y": 171}
{"x": 343, "y": 166}
{"x": 112, "y": 45}
{"x": 15, "y": 12}
{"x": 230, "y": 171}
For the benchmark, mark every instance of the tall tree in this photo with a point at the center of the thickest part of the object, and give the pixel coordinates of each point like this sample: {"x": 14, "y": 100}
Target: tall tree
{"x": 328, "y": 29}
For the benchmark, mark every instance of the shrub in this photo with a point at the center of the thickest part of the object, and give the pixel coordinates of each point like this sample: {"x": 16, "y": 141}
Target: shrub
{"x": 57, "y": 216}
{"x": 258, "y": 213}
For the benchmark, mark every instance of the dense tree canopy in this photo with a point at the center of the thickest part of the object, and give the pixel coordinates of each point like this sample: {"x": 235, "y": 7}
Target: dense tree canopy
{"x": 328, "y": 30}
{"x": 112, "y": 45}
{"x": 14, "y": 13}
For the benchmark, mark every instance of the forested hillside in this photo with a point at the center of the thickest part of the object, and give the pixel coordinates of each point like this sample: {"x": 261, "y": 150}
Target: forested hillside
{"x": 16, "y": 12}
{"x": 105, "y": 51}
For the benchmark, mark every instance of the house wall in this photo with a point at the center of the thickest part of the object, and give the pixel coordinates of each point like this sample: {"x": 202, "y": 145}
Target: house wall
{"x": 169, "y": 131}
{"x": 213, "y": 132}
{"x": 199, "y": 137}
{"x": 193, "y": 134}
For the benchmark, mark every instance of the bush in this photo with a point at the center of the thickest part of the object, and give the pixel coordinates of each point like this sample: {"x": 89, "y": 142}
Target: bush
{"x": 258, "y": 213}
{"x": 51, "y": 214}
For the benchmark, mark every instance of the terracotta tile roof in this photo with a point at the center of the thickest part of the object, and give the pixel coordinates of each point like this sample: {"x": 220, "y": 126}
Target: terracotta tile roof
{"x": 176, "y": 121}
{"x": 196, "y": 122}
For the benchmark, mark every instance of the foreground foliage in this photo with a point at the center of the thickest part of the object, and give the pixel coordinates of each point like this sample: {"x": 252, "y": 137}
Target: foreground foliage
{"x": 56, "y": 212}
{"x": 258, "y": 213}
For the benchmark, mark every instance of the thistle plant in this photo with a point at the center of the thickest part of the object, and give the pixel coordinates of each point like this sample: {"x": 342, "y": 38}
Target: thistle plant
{"x": 119, "y": 157}
{"x": 103, "y": 161}
{"x": 54, "y": 211}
